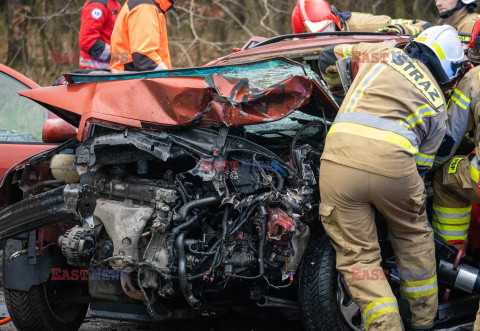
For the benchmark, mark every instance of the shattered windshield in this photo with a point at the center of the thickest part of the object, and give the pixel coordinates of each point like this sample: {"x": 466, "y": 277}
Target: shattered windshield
{"x": 262, "y": 74}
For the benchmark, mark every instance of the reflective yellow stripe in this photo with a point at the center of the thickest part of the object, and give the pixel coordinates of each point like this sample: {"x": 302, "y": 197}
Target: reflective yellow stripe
{"x": 331, "y": 81}
{"x": 401, "y": 21}
{"x": 419, "y": 288}
{"x": 425, "y": 156}
{"x": 404, "y": 124}
{"x": 453, "y": 234}
{"x": 422, "y": 111}
{"x": 447, "y": 220}
{"x": 459, "y": 227}
{"x": 451, "y": 238}
{"x": 439, "y": 51}
{"x": 474, "y": 173}
{"x": 373, "y": 133}
{"x": 420, "y": 294}
{"x": 462, "y": 95}
{"x": 454, "y": 98}
{"x": 424, "y": 159}
{"x": 366, "y": 81}
{"x": 421, "y": 39}
{"x": 452, "y": 210}
{"x": 347, "y": 51}
{"x": 377, "y": 308}
{"x": 460, "y": 99}
{"x": 416, "y": 283}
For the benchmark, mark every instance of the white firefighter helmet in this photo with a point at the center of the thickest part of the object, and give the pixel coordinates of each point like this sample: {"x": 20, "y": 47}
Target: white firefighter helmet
{"x": 443, "y": 41}
{"x": 467, "y": 2}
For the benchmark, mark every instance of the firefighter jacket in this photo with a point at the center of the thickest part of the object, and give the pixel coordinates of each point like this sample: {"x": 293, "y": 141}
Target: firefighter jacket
{"x": 393, "y": 118}
{"x": 373, "y": 23}
{"x": 463, "y": 118}
{"x": 463, "y": 23}
{"x": 140, "y": 42}
{"x": 98, "y": 20}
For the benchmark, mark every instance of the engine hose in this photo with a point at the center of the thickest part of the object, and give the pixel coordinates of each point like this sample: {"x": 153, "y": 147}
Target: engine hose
{"x": 183, "y": 212}
{"x": 5, "y": 320}
{"x": 280, "y": 180}
{"x": 182, "y": 273}
{"x": 263, "y": 230}
{"x": 182, "y": 191}
{"x": 263, "y": 226}
{"x": 225, "y": 225}
{"x": 182, "y": 216}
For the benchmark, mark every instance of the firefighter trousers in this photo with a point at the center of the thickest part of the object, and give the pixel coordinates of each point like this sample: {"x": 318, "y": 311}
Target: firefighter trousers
{"x": 348, "y": 198}
{"x": 455, "y": 186}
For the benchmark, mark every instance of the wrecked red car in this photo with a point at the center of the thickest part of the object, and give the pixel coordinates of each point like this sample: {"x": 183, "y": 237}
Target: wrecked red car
{"x": 188, "y": 192}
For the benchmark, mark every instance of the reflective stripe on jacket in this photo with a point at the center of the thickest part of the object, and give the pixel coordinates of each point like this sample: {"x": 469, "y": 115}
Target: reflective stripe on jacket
{"x": 139, "y": 41}
{"x": 392, "y": 120}
{"x": 98, "y": 20}
{"x": 463, "y": 117}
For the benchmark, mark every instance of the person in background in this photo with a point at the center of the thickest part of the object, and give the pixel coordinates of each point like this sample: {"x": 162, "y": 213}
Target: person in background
{"x": 319, "y": 15}
{"x": 98, "y": 20}
{"x": 139, "y": 40}
{"x": 458, "y": 13}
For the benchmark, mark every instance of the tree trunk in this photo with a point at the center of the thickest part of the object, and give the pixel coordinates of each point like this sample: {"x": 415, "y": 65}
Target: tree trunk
{"x": 17, "y": 26}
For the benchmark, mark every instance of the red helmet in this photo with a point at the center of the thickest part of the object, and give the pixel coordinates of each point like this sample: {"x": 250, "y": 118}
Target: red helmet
{"x": 474, "y": 45}
{"x": 313, "y": 11}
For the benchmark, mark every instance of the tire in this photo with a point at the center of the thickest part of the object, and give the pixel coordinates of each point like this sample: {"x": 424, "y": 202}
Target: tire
{"x": 35, "y": 310}
{"x": 324, "y": 300}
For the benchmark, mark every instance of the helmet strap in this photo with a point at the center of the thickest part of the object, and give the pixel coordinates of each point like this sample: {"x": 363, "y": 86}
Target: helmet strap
{"x": 450, "y": 12}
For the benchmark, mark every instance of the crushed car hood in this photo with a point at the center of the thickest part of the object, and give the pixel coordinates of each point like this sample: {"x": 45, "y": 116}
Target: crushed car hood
{"x": 235, "y": 95}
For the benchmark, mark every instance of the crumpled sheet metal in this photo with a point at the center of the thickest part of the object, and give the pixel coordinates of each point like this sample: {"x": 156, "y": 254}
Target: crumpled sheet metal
{"x": 173, "y": 101}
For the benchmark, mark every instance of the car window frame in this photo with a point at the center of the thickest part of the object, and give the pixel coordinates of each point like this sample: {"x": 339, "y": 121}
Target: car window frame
{"x": 29, "y": 84}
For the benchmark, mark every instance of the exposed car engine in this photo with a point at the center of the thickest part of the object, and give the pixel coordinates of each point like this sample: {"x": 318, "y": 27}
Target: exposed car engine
{"x": 199, "y": 214}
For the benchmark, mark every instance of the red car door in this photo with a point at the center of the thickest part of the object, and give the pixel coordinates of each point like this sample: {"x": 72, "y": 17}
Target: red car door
{"x": 21, "y": 120}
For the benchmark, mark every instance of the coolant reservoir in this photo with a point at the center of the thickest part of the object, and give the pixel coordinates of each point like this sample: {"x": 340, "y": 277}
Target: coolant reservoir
{"x": 61, "y": 166}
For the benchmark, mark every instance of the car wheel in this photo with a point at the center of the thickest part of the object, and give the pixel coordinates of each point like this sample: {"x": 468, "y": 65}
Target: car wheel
{"x": 324, "y": 299}
{"x": 48, "y": 306}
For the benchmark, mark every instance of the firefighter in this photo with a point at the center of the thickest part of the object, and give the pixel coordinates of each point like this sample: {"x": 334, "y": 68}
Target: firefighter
{"x": 98, "y": 20}
{"x": 139, "y": 41}
{"x": 312, "y": 15}
{"x": 456, "y": 183}
{"x": 458, "y": 13}
{"x": 381, "y": 143}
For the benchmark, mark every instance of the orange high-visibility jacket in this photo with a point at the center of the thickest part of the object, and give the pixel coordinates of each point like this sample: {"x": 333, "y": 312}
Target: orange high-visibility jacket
{"x": 139, "y": 40}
